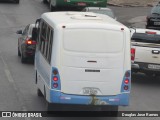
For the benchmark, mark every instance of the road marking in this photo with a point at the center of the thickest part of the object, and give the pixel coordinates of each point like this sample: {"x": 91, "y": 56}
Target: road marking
{"x": 11, "y": 80}
{"x": 7, "y": 72}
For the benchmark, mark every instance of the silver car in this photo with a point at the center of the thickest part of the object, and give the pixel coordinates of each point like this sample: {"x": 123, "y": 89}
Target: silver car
{"x": 100, "y": 10}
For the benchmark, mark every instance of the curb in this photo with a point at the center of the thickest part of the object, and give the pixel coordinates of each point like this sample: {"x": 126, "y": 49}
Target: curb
{"x": 129, "y": 5}
{"x": 112, "y": 4}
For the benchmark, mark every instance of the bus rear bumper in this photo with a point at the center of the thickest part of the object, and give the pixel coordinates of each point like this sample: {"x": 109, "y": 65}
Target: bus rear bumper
{"x": 61, "y": 98}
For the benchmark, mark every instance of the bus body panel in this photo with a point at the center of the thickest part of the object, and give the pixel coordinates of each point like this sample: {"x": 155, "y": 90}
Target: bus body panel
{"x": 85, "y": 64}
{"x": 100, "y": 66}
{"x": 43, "y": 72}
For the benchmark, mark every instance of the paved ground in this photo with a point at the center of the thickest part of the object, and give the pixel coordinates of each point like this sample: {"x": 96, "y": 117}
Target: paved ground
{"x": 132, "y": 16}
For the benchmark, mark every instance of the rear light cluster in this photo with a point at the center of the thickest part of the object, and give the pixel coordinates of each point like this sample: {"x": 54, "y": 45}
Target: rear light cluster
{"x": 55, "y": 79}
{"x": 30, "y": 42}
{"x": 133, "y": 50}
{"x": 127, "y": 80}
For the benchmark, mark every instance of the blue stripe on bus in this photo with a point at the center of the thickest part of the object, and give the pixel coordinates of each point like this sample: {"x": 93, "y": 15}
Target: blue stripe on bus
{"x": 58, "y": 97}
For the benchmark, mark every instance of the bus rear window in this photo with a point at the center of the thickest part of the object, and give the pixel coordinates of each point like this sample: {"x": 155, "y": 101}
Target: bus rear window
{"x": 145, "y": 38}
{"x": 93, "y": 40}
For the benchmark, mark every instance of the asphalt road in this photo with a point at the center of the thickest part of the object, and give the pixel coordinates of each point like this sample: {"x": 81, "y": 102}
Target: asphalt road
{"x": 17, "y": 88}
{"x": 126, "y": 14}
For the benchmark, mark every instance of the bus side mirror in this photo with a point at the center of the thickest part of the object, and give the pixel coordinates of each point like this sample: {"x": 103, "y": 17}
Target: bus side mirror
{"x": 34, "y": 34}
{"x": 35, "y": 30}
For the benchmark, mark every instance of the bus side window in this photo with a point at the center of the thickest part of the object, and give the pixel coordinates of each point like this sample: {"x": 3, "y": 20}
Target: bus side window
{"x": 46, "y": 41}
{"x": 40, "y": 31}
{"x": 49, "y": 53}
{"x": 40, "y": 40}
{"x": 43, "y": 34}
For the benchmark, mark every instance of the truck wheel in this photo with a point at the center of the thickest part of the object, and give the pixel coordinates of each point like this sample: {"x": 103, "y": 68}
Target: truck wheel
{"x": 157, "y": 74}
{"x": 149, "y": 74}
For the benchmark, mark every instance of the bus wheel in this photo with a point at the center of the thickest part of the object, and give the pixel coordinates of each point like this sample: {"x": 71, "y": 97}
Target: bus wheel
{"x": 39, "y": 93}
{"x": 49, "y": 107}
{"x": 111, "y": 110}
{"x": 114, "y": 111}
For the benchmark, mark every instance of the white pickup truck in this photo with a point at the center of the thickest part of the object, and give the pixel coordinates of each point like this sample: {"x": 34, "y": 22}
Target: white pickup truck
{"x": 145, "y": 51}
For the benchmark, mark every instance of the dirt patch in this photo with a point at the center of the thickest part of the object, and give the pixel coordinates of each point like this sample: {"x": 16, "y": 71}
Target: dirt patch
{"x": 133, "y": 2}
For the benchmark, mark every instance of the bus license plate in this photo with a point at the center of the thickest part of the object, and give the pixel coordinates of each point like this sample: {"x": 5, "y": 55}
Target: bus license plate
{"x": 81, "y": 4}
{"x": 90, "y": 91}
{"x": 151, "y": 66}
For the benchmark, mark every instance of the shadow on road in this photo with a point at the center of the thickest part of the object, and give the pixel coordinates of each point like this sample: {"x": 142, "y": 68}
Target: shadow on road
{"x": 7, "y": 2}
{"x": 140, "y": 78}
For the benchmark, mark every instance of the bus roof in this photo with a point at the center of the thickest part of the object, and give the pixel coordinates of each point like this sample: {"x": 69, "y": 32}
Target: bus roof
{"x": 53, "y": 18}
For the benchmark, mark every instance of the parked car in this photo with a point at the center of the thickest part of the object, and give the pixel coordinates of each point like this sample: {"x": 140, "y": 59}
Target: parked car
{"x": 16, "y": 1}
{"x": 101, "y": 10}
{"x": 145, "y": 51}
{"x": 153, "y": 19}
{"x": 26, "y": 46}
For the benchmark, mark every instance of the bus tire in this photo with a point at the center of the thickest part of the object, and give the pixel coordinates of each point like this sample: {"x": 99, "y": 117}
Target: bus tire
{"x": 49, "y": 107}
{"x": 114, "y": 111}
{"x": 39, "y": 93}
{"x": 36, "y": 80}
{"x": 111, "y": 111}
{"x": 45, "y": 92}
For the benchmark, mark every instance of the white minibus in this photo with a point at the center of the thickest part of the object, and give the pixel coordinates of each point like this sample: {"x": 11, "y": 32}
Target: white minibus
{"x": 82, "y": 58}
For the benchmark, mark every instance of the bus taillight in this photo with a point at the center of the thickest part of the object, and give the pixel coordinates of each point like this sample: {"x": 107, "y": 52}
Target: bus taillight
{"x": 55, "y": 72}
{"x": 126, "y": 84}
{"x": 56, "y": 81}
{"x": 55, "y": 78}
{"x": 127, "y": 74}
{"x": 55, "y": 85}
{"x": 126, "y": 81}
{"x": 126, "y": 87}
